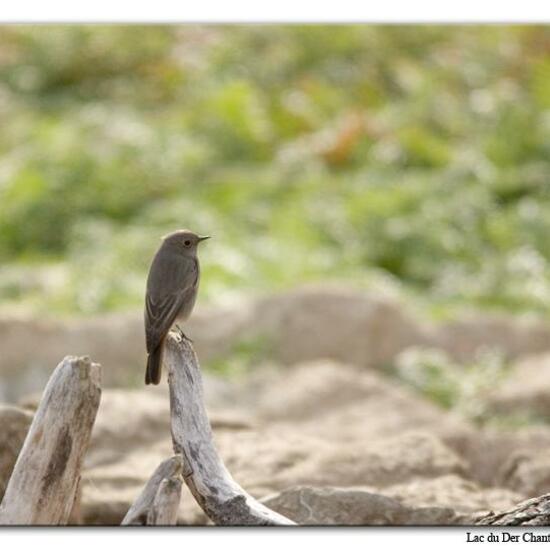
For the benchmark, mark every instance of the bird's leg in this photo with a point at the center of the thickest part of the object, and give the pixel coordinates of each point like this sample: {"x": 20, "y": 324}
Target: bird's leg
{"x": 183, "y": 335}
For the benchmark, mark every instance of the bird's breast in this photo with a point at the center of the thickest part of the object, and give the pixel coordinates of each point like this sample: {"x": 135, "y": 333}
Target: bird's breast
{"x": 187, "y": 306}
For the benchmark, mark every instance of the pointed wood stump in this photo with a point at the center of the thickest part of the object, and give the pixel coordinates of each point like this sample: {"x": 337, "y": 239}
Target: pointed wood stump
{"x": 166, "y": 503}
{"x": 153, "y": 504}
{"x": 45, "y": 478}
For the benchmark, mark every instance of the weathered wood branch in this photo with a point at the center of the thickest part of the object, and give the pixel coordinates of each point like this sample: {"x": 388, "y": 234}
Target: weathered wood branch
{"x": 44, "y": 482}
{"x": 139, "y": 511}
{"x": 166, "y": 504}
{"x": 535, "y": 511}
{"x": 221, "y": 498}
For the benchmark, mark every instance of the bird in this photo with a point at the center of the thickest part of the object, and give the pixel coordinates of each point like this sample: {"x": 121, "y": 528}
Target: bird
{"x": 172, "y": 286}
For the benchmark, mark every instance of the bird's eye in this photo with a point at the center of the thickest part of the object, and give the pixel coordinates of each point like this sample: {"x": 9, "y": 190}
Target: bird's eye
{"x": 187, "y": 243}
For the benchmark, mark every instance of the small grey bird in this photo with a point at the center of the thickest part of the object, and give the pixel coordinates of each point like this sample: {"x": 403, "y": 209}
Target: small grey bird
{"x": 172, "y": 287}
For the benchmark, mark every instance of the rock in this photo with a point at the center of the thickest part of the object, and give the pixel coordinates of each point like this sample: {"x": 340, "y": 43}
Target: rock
{"x": 270, "y": 448}
{"x": 131, "y": 437}
{"x": 27, "y": 368}
{"x": 465, "y": 497}
{"x": 525, "y": 392}
{"x": 513, "y": 335}
{"x": 275, "y": 459}
{"x": 489, "y": 451}
{"x": 347, "y": 404}
{"x": 128, "y": 421}
{"x": 337, "y": 506}
{"x": 527, "y": 473}
{"x": 14, "y": 425}
{"x": 321, "y": 463}
{"x": 444, "y": 500}
{"x": 110, "y": 488}
{"x": 336, "y": 323}
{"x": 320, "y": 425}
{"x": 326, "y": 423}
{"x": 310, "y": 323}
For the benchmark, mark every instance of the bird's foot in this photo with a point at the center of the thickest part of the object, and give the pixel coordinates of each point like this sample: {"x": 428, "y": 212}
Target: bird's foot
{"x": 182, "y": 335}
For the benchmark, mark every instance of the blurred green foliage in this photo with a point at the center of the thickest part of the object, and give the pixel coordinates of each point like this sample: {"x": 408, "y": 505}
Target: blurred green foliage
{"x": 415, "y": 156}
{"x": 243, "y": 357}
{"x": 464, "y": 388}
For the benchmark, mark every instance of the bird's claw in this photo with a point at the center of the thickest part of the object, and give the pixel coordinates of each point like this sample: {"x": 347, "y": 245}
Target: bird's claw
{"x": 183, "y": 336}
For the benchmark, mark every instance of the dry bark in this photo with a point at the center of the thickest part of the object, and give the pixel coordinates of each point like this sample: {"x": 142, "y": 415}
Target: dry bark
{"x": 221, "y": 498}
{"x": 43, "y": 486}
{"x": 535, "y": 511}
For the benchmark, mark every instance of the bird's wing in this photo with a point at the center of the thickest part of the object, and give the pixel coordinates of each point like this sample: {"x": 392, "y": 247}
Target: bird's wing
{"x": 159, "y": 317}
{"x": 171, "y": 282}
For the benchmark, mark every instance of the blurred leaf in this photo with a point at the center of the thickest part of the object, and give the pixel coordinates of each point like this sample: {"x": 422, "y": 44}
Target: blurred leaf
{"x": 413, "y": 155}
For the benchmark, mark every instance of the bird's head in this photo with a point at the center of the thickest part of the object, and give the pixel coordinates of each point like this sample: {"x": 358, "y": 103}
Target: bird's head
{"x": 184, "y": 240}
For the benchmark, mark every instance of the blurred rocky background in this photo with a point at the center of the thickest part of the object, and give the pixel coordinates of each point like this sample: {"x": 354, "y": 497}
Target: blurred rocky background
{"x": 373, "y": 321}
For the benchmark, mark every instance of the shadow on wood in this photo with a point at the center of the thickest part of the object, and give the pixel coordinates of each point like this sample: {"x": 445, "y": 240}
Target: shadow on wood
{"x": 217, "y": 493}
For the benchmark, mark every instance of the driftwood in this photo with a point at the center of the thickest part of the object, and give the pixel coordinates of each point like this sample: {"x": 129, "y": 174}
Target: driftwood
{"x": 220, "y": 497}
{"x": 44, "y": 483}
{"x": 45, "y": 478}
{"x": 145, "y": 502}
{"x": 166, "y": 504}
{"x": 535, "y": 511}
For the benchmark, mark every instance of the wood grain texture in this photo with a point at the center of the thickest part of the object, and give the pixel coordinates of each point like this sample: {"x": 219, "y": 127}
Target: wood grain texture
{"x": 45, "y": 478}
{"x": 138, "y": 512}
{"x": 166, "y": 503}
{"x": 217, "y": 493}
{"x": 535, "y": 511}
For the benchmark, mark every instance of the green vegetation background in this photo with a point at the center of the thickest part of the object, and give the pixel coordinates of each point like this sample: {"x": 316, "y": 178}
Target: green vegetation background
{"x": 413, "y": 158}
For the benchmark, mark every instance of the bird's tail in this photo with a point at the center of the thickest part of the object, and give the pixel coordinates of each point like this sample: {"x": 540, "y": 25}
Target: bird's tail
{"x": 154, "y": 365}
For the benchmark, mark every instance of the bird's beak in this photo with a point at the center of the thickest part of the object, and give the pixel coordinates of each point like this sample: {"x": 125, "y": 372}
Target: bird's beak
{"x": 203, "y": 238}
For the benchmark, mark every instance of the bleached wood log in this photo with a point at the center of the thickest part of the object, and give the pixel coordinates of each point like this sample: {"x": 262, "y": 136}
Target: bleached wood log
{"x": 44, "y": 482}
{"x": 216, "y": 492}
{"x": 138, "y": 512}
{"x": 166, "y": 504}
